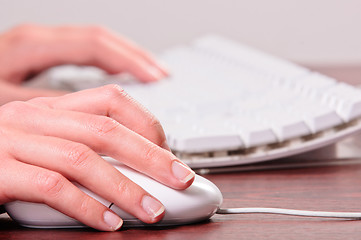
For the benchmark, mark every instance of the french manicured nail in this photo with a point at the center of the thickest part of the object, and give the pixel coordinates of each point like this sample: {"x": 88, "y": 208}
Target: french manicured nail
{"x": 155, "y": 73}
{"x": 164, "y": 68}
{"x": 182, "y": 172}
{"x": 112, "y": 220}
{"x": 151, "y": 206}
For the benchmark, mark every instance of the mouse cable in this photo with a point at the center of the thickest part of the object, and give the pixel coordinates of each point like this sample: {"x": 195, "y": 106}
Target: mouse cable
{"x": 304, "y": 213}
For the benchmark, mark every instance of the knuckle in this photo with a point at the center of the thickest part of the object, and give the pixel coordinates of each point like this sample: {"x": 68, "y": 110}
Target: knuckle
{"x": 154, "y": 122}
{"x": 96, "y": 34}
{"x": 10, "y": 110}
{"x": 24, "y": 27}
{"x": 78, "y": 155}
{"x": 151, "y": 152}
{"x": 106, "y": 126}
{"x": 84, "y": 205}
{"x": 24, "y": 33}
{"x": 113, "y": 91}
{"x": 157, "y": 133}
{"x": 125, "y": 187}
{"x": 95, "y": 29}
{"x": 41, "y": 101}
{"x": 50, "y": 183}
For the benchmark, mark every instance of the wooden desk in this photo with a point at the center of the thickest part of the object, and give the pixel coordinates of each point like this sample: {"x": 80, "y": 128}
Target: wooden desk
{"x": 328, "y": 188}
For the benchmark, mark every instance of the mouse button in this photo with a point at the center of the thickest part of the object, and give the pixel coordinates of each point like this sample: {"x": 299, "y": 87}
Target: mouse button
{"x": 199, "y": 201}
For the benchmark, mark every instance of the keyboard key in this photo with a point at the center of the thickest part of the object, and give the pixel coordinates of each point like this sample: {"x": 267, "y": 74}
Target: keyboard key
{"x": 288, "y": 128}
{"x": 258, "y": 61}
{"x": 345, "y": 99}
{"x": 252, "y": 132}
{"x": 317, "y": 116}
{"x": 204, "y": 137}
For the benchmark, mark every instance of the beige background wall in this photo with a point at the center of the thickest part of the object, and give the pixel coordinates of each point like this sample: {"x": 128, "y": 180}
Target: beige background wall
{"x": 306, "y": 31}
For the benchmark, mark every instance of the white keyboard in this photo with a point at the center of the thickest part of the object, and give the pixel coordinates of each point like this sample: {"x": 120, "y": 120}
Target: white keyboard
{"x": 228, "y": 104}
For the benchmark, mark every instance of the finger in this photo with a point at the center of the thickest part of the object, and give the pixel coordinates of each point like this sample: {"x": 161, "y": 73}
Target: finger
{"x": 79, "y": 163}
{"x": 113, "y": 53}
{"x": 133, "y": 47}
{"x": 109, "y": 53}
{"x": 33, "y": 48}
{"x": 104, "y": 135}
{"x": 35, "y": 184}
{"x": 111, "y": 101}
{"x": 50, "y": 46}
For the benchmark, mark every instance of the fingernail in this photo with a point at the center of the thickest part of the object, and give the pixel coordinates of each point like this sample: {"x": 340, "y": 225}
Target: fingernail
{"x": 182, "y": 172}
{"x": 112, "y": 220}
{"x": 153, "y": 207}
{"x": 156, "y": 73}
{"x": 163, "y": 67}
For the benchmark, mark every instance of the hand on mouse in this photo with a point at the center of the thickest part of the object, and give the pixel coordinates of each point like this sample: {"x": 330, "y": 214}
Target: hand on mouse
{"x": 45, "y": 143}
{"x": 29, "y": 49}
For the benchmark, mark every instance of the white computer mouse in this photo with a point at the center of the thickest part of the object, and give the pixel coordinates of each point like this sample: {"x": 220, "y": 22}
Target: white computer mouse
{"x": 197, "y": 203}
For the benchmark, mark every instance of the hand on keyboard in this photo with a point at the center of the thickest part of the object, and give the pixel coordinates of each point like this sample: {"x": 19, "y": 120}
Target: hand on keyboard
{"x": 29, "y": 49}
{"x": 227, "y": 104}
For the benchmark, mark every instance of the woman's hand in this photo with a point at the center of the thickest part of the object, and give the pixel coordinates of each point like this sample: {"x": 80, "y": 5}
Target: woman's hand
{"x": 29, "y": 49}
{"x": 46, "y": 143}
